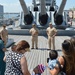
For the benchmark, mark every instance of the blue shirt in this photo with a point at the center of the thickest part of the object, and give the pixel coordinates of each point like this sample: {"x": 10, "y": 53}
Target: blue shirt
{"x": 52, "y": 63}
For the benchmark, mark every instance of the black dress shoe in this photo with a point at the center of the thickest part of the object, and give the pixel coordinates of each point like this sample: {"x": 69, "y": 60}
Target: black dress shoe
{"x": 48, "y": 49}
{"x": 36, "y": 48}
{"x": 32, "y": 48}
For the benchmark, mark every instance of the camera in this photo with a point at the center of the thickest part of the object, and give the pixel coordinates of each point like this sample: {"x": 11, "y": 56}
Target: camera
{"x": 47, "y": 60}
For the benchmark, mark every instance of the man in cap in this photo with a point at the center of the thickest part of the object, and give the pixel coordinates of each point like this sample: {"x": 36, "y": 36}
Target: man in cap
{"x": 4, "y": 34}
{"x": 51, "y": 32}
{"x": 34, "y": 37}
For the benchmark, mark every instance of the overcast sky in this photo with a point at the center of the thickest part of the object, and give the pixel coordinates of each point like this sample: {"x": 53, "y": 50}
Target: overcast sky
{"x": 14, "y": 5}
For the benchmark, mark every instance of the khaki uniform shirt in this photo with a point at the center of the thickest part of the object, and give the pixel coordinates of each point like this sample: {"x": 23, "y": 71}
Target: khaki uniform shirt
{"x": 51, "y": 31}
{"x": 34, "y": 31}
{"x": 4, "y": 34}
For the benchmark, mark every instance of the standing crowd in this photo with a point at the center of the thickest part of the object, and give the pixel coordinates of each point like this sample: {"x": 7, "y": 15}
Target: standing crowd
{"x": 15, "y": 63}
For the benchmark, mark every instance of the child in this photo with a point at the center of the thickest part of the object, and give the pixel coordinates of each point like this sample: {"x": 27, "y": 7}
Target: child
{"x": 13, "y": 47}
{"x": 52, "y": 60}
{"x": 38, "y": 70}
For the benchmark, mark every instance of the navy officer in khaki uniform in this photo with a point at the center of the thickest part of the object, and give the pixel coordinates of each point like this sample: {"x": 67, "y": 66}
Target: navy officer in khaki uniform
{"x": 4, "y": 34}
{"x": 51, "y": 32}
{"x": 34, "y": 37}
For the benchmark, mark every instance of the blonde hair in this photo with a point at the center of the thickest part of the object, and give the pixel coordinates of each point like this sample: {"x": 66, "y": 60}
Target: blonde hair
{"x": 69, "y": 53}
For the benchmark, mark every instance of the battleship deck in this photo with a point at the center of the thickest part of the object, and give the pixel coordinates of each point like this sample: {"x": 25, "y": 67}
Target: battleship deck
{"x": 39, "y": 56}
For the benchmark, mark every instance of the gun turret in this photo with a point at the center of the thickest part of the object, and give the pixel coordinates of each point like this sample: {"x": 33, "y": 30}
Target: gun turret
{"x": 43, "y": 16}
{"x": 28, "y": 17}
{"x": 58, "y": 17}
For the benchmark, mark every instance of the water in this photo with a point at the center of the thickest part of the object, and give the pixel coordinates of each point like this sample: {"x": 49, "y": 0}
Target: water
{"x": 9, "y": 15}
{"x": 6, "y": 17}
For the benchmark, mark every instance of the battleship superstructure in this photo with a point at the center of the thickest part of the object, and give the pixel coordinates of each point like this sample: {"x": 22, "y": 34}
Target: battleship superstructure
{"x": 42, "y": 12}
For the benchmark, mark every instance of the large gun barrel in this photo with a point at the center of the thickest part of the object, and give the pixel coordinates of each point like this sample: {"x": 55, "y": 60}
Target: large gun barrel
{"x": 52, "y": 5}
{"x": 58, "y": 16}
{"x": 28, "y": 17}
{"x": 35, "y": 6}
{"x": 43, "y": 16}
